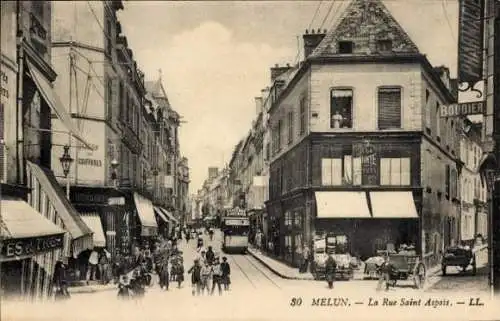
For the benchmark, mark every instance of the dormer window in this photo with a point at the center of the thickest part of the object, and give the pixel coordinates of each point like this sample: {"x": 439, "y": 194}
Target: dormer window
{"x": 384, "y": 45}
{"x": 345, "y": 47}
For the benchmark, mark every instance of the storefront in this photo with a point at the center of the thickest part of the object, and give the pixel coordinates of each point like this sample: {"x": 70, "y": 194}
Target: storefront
{"x": 166, "y": 222}
{"x": 145, "y": 227}
{"x": 368, "y": 228}
{"x": 31, "y": 245}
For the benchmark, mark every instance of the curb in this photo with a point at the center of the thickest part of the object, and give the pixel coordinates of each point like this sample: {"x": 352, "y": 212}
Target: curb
{"x": 79, "y": 290}
{"x": 263, "y": 262}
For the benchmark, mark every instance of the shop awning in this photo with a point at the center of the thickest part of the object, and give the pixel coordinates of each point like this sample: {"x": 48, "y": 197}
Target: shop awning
{"x": 80, "y": 233}
{"x": 161, "y": 215}
{"x": 146, "y": 214}
{"x": 394, "y": 204}
{"x": 169, "y": 215}
{"x": 26, "y": 232}
{"x": 93, "y": 221}
{"x": 55, "y": 104}
{"x": 343, "y": 204}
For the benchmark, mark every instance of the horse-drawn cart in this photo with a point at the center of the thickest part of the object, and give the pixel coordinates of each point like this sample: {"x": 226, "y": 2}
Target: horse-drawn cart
{"x": 403, "y": 267}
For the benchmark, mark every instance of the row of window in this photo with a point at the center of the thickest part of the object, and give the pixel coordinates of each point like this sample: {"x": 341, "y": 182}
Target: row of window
{"x": 349, "y": 171}
{"x": 444, "y": 129}
{"x": 279, "y": 130}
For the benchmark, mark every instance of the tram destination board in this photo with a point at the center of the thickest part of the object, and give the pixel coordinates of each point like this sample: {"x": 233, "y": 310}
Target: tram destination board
{"x": 463, "y": 109}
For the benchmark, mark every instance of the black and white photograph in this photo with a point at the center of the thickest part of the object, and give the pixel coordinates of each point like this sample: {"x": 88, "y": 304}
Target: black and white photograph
{"x": 250, "y": 160}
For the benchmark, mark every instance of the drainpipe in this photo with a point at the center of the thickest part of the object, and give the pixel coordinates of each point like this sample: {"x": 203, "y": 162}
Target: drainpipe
{"x": 19, "y": 103}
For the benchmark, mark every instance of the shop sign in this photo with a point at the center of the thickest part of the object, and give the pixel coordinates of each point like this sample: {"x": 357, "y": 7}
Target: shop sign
{"x": 124, "y": 239}
{"x": 116, "y": 201}
{"x": 470, "y": 41}
{"x": 237, "y": 211}
{"x": 237, "y": 222}
{"x": 369, "y": 164}
{"x": 463, "y": 109}
{"x": 87, "y": 198}
{"x": 22, "y": 247}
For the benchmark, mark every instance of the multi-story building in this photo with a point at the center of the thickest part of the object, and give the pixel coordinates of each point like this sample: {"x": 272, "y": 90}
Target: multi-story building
{"x": 356, "y": 127}
{"x": 29, "y": 190}
{"x": 473, "y": 193}
{"x": 183, "y": 189}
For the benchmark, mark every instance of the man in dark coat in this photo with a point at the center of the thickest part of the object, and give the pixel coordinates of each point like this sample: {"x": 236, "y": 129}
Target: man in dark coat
{"x": 210, "y": 255}
{"x": 226, "y": 272}
{"x": 195, "y": 271}
{"x": 330, "y": 268}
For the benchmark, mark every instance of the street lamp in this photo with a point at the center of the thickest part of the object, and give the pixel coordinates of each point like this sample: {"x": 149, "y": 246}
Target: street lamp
{"x": 114, "y": 176}
{"x": 66, "y": 162}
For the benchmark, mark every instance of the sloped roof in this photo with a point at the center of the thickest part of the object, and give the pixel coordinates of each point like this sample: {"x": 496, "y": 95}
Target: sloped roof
{"x": 362, "y": 20}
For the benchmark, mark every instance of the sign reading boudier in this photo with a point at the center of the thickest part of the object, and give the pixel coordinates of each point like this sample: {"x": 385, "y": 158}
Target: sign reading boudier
{"x": 463, "y": 109}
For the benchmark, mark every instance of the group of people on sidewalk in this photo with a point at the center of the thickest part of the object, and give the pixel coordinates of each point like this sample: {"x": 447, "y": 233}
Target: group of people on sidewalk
{"x": 208, "y": 272}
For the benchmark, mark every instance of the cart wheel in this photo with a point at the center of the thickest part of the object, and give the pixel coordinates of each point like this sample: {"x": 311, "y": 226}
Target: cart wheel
{"x": 474, "y": 267}
{"x": 419, "y": 276}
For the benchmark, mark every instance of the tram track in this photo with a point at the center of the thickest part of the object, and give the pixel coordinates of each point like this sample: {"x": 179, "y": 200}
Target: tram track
{"x": 243, "y": 271}
{"x": 255, "y": 265}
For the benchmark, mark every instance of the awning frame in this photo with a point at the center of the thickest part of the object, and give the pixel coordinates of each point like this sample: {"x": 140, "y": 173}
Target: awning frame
{"x": 56, "y": 105}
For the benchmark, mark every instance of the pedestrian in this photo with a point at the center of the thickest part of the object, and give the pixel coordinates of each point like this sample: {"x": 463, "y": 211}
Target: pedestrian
{"x": 103, "y": 268}
{"x": 92, "y": 267}
{"x": 117, "y": 266}
{"x": 179, "y": 272}
{"x": 124, "y": 287}
{"x": 226, "y": 272}
{"x": 199, "y": 244}
{"x": 163, "y": 274}
{"x": 206, "y": 277}
{"x": 195, "y": 271}
{"x": 188, "y": 236}
{"x": 202, "y": 257}
{"x": 60, "y": 280}
{"x": 217, "y": 276}
{"x": 386, "y": 274}
{"x": 210, "y": 255}
{"x": 306, "y": 253}
{"x": 330, "y": 268}
{"x": 211, "y": 234}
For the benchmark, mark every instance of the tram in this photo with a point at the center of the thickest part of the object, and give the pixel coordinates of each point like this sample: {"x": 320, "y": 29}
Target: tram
{"x": 235, "y": 229}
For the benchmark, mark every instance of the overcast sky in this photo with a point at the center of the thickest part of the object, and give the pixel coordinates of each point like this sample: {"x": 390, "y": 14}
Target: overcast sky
{"x": 215, "y": 57}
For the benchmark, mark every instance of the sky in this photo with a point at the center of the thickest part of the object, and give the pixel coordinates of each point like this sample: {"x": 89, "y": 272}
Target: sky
{"x": 215, "y": 57}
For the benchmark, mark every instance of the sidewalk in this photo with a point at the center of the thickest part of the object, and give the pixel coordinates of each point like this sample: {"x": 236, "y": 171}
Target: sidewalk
{"x": 279, "y": 268}
{"x": 92, "y": 287}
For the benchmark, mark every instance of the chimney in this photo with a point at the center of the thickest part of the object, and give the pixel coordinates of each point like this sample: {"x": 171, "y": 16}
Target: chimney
{"x": 259, "y": 105}
{"x": 312, "y": 40}
{"x": 277, "y": 71}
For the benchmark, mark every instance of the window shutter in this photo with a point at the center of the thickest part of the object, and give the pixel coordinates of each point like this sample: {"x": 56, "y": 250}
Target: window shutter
{"x": 385, "y": 171}
{"x": 356, "y": 164}
{"x": 326, "y": 171}
{"x": 2, "y": 146}
{"x": 405, "y": 171}
{"x": 389, "y": 108}
{"x": 337, "y": 171}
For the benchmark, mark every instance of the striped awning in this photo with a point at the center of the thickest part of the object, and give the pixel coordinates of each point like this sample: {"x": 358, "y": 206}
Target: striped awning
{"x": 170, "y": 216}
{"x": 93, "y": 221}
{"x": 79, "y": 233}
{"x": 146, "y": 214}
{"x": 161, "y": 215}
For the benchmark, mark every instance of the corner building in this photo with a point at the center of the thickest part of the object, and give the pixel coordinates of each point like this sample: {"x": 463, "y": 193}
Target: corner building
{"x": 357, "y": 143}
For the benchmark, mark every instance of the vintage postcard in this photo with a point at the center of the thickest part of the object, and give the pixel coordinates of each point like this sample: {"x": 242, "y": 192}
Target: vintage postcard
{"x": 250, "y": 160}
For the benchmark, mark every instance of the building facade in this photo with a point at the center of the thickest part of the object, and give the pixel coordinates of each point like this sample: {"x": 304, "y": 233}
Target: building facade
{"x": 356, "y": 126}
{"x": 29, "y": 188}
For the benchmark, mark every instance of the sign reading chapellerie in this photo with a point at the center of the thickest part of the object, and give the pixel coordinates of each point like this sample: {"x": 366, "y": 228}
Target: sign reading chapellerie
{"x": 23, "y": 247}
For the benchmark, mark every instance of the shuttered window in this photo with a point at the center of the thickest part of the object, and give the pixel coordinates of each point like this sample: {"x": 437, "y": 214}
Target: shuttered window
{"x": 2, "y": 146}
{"x": 389, "y": 108}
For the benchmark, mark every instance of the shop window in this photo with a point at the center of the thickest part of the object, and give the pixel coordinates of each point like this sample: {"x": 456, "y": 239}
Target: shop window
{"x": 288, "y": 244}
{"x": 389, "y": 108}
{"x": 341, "y": 105}
{"x": 395, "y": 171}
{"x": 288, "y": 219}
{"x": 298, "y": 219}
{"x": 341, "y": 171}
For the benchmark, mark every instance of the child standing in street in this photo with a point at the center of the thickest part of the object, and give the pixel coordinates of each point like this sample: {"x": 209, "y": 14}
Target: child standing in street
{"x": 226, "y": 272}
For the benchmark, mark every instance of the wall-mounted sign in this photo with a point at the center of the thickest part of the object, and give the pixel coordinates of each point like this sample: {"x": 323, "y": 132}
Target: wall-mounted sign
{"x": 25, "y": 247}
{"x": 463, "y": 109}
{"x": 4, "y": 81}
{"x": 369, "y": 163}
{"x": 116, "y": 201}
{"x": 470, "y": 41}
{"x": 90, "y": 162}
{"x": 237, "y": 222}
{"x": 88, "y": 198}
